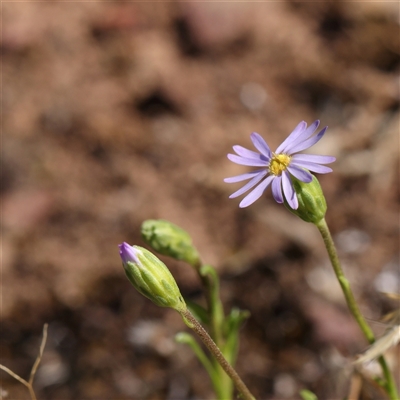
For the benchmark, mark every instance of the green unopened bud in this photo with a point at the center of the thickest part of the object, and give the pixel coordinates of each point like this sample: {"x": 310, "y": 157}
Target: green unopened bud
{"x": 151, "y": 277}
{"x": 312, "y": 204}
{"x": 170, "y": 240}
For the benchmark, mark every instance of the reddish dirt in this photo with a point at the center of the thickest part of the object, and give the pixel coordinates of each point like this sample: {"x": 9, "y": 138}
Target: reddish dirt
{"x": 114, "y": 113}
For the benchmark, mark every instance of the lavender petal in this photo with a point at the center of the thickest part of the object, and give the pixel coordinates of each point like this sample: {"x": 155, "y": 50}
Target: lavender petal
{"x": 288, "y": 190}
{"x": 307, "y": 143}
{"x": 243, "y": 177}
{"x": 320, "y": 169}
{"x": 128, "y": 253}
{"x": 300, "y": 173}
{"x": 249, "y": 184}
{"x": 304, "y": 135}
{"x": 314, "y": 158}
{"x": 277, "y": 189}
{"x": 255, "y": 194}
{"x": 292, "y": 137}
{"x": 247, "y": 161}
{"x": 261, "y": 145}
{"x": 243, "y": 152}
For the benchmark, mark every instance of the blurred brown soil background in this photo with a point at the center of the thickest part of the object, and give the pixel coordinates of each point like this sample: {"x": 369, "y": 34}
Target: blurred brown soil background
{"x": 114, "y": 113}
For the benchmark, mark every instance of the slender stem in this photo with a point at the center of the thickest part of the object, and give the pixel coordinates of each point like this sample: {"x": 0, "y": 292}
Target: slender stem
{"x": 352, "y": 304}
{"x": 212, "y": 367}
{"x": 40, "y": 355}
{"x": 344, "y": 283}
{"x": 188, "y": 339}
{"x": 216, "y": 352}
{"x": 390, "y": 382}
{"x": 210, "y": 281}
{"x": 14, "y": 375}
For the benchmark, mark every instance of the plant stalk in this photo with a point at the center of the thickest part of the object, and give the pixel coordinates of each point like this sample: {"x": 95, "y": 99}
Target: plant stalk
{"x": 210, "y": 282}
{"x": 216, "y": 352}
{"x": 323, "y": 228}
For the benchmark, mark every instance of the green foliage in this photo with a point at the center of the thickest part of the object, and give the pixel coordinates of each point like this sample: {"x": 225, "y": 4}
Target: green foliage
{"x": 170, "y": 240}
{"x": 307, "y": 395}
{"x": 152, "y": 279}
{"x": 312, "y": 204}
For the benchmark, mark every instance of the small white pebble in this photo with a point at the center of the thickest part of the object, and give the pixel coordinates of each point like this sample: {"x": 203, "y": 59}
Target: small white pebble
{"x": 253, "y": 96}
{"x": 388, "y": 280}
{"x": 53, "y": 370}
{"x": 352, "y": 241}
{"x": 151, "y": 334}
{"x": 285, "y": 386}
{"x": 3, "y": 393}
{"x": 323, "y": 281}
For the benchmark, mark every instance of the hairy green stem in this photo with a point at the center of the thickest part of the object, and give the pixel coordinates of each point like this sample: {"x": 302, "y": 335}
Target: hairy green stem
{"x": 210, "y": 282}
{"x": 216, "y": 352}
{"x": 322, "y": 226}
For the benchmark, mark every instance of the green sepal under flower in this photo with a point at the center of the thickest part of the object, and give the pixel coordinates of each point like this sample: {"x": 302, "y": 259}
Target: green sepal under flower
{"x": 151, "y": 277}
{"x": 312, "y": 204}
{"x": 170, "y": 240}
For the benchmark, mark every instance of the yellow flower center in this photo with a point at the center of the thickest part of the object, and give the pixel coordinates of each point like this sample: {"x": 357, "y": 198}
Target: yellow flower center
{"x": 279, "y": 163}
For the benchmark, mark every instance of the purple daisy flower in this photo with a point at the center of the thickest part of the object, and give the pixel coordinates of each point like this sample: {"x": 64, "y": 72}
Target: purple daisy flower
{"x": 277, "y": 167}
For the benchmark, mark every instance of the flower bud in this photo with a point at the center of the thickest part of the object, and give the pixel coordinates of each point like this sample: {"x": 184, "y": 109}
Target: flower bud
{"x": 170, "y": 240}
{"x": 151, "y": 277}
{"x": 312, "y": 204}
